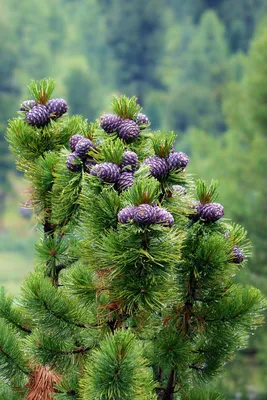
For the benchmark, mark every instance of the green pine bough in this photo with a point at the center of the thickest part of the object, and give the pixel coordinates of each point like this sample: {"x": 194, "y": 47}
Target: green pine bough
{"x": 134, "y": 294}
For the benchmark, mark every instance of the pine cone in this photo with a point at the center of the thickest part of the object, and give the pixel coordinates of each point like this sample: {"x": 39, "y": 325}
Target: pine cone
{"x": 212, "y": 212}
{"x": 163, "y": 216}
{"x": 110, "y": 122}
{"x": 195, "y": 216}
{"x": 142, "y": 121}
{"x": 125, "y": 181}
{"x": 158, "y": 167}
{"x": 38, "y": 116}
{"x": 238, "y": 256}
{"x": 83, "y": 146}
{"x": 108, "y": 172}
{"x": 74, "y": 140}
{"x": 144, "y": 214}
{"x": 56, "y": 108}
{"x": 177, "y": 160}
{"x": 126, "y": 214}
{"x": 129, "y": 130}
{"x": 27, "y": 105}
{"x": 73, "y": 163}
{"x": 129, "y": 161}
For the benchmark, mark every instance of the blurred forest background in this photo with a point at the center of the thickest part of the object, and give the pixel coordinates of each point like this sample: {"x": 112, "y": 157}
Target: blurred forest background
{"x": 198, "y": 67}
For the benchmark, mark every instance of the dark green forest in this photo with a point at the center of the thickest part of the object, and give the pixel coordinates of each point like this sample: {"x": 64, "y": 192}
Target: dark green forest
{"x": 197, "y": 67}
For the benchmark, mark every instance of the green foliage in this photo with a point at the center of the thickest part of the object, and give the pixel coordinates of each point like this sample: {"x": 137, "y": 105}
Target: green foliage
{"x": 125, "y": 107}
{"x": 145, "y": 190}
{"x": 112, "y": 151}
{"x": 14, "y": 368}
{"x": 12, "y": 314}
{"x": 117, "y": 370}
{"x": 162, "y": 143}
{"x": 205, "y": 193}
{"x": 42, "y": 90}
{"x": 52, "y": 310}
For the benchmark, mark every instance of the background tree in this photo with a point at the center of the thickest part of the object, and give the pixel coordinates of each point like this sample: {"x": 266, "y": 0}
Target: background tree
{"x": 245, "y": 106}
{"x": 136, "y": 32}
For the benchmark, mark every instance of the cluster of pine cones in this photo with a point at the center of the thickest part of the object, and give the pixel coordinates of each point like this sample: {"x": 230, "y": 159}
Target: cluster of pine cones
{"x": 39, "y": 115}
{"x": 127, "y": 129}
{"x": 145, "y": 214}
{"x": 121, "y": 175}
{"x": 79, "y": 157}
{"x": 160, "y": 167}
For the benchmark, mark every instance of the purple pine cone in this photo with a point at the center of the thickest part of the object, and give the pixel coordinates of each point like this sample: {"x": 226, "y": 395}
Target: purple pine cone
{"x": 110, "y": 122}
{"x": 158, "y": 167}
{"x": 177, "y": 160}
{"x": 73, "y": 163}
{"x": 56, "y": 108}
{"x": 125, "y": 181}
{"x": 27, "y": 105}
{"x": 108, "y": 172}
{"x": 238, "y": 256}
{"x": 38, "y": 116}
{"x": 195, "y": 216}
{"x": 142, "y": 121}
{"x": 126, "y": 214}
{"x": 212, "y": 212}
{"x": 129, "y": 161}
{"x": 129, "y": 130}
{"x": 144, "y": 214}
{"x": 74, "y": 140}
{"x": 163, "y": 216}
{"x": 83, "y": 146}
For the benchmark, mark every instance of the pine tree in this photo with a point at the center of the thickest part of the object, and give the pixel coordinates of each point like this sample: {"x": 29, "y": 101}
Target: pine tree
{"x": 133, "y": 296}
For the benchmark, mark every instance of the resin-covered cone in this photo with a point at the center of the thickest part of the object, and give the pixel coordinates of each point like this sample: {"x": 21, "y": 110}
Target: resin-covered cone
{"x": 238, "y": 256}
{"x": 163, "y": 216}
{"x": 27, "y": 105}
{"x": 126, "y": 214}
{"x": 56, "y": 108}
{"x": 158, "y": 167}
{"x": 129, "y": 130}
{"x": 144, "y": 214}
{"x": 125, "y": 181}
{"x": 142, "y": 121}
{"x": 110, "y": 122}
{"x": 38, "y": 116}
{"x": 177, "y": 160}
{"x": 212, "y": 212}
{"x": 74, "y": 163}
{"x": 74, "y": 140}
{"x": 83, "y": 146}
{"x": 129, "y": 161}
{"x": 108, "y": 172}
